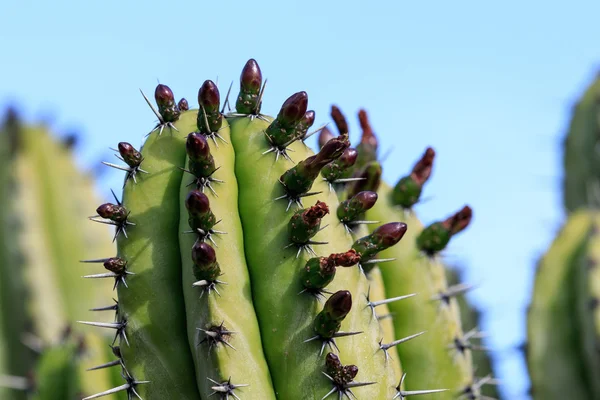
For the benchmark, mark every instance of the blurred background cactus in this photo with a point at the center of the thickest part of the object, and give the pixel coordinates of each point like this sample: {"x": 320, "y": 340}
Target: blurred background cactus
{"x": 45, "y": 198}
{"x": 563, "y": 347}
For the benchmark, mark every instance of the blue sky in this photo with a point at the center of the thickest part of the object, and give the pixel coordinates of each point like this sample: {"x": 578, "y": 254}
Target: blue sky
{"x": 490, "y": 86}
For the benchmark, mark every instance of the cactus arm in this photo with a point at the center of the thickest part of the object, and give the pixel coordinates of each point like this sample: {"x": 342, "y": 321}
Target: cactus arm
{"x": 430, "y": 361}
{"x": 153, "y": 305}
{"x": 233, "y": 305}
{"x": 285, "y": 317}
{"x": 553, "y": 351}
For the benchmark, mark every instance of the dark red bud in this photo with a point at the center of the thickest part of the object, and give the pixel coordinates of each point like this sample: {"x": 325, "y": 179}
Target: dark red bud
{"x": 318, "y": 211}
{"x": 106, "y": 210}
{"x": 183, "y": 105}
{"x": 368, "y": 137}
{"x": 251, "y": 77}
{"x": 333, "y": 149}
{"x": 208, "y": 96}
{"x": 459, "y": 221}
{"x": 332, "y": 361}
{"x": 116, "y": 265}
{"x": 197, "y": 202}
{"x": 350, "y": 372}
{"x": 348, "y": 158}
{"x": 308, "y": 119}
{"x": 203, "y": 254}
{"x": 347, "y": 259}
{"x": 163, "y": 95}
{"x": 125, "y": 149}
{"x": 294, "y": 108}
{"x": 422, "y": 169}
{"x": 390, "y": 233}
{"x": 197, "y": 146}
{"x": 339, "y": 119}
{"x": 367, "y": 199}
{"x": 325, "y": 136}
{"x": 339, "y": 304}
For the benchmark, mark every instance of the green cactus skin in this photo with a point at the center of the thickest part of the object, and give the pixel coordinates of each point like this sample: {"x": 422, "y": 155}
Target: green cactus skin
{"x": 44, "y": 234}
{"x": 554, "y": 351}
{"x": 233, "y": 305}
{"x": 580, "y": 159}
{"x": 158, "y": 347}
{"x": 285, "y": 317}
{"x": 429, "y": 361}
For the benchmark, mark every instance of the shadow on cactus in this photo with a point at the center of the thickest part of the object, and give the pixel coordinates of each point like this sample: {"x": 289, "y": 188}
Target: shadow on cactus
{"x": 250, "y": 267}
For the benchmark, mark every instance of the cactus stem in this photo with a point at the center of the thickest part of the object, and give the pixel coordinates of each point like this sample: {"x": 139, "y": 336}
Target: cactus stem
{"x": 226, "y": 388}
{"x": 344, "y": 389}
{"x": 403, "y": 394}
{"x": 374, "y": 304}
{"x": 386, "y": 346}
{"x": 453, "y": 291}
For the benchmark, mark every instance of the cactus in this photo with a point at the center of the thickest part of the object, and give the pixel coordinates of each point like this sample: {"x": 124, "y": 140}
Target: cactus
{"x": 249, "y": 266}
{"x": 42, "y": 238}
{"x": 563, "y": 319}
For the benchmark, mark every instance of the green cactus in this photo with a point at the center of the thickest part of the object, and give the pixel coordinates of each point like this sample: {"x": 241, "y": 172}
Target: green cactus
{"x": 41, "y": 241}
{"x": 563, "y": 320}
{"x": 245, "y": 267}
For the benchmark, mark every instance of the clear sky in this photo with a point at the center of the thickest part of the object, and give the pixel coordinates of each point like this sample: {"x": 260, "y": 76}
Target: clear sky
{"x": 489, "y": 84}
